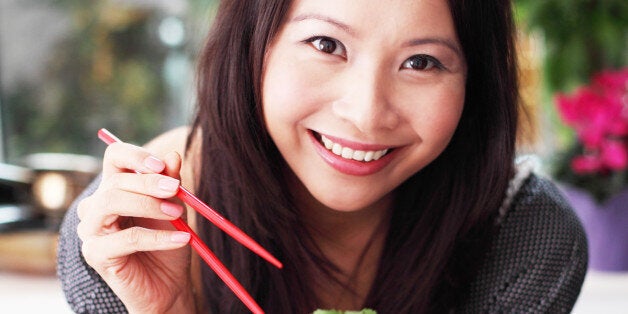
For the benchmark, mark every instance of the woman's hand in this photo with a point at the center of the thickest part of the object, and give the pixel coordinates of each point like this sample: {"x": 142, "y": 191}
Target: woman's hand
{"x": 126, "y": 235}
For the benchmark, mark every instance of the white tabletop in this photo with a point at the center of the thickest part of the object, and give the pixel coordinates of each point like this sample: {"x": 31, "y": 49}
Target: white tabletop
{"x": 603, "y": 292}
{"x": 20, "y": 293}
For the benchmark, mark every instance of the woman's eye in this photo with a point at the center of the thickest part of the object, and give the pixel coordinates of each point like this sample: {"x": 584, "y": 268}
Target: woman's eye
{"x": 421, "y": 63}
{"x": 327, "y": 45}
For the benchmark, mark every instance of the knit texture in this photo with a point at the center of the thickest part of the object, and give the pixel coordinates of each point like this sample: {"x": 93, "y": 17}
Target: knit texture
{"x": 84, "y": 289}
{"x": 538, "y": 260}
{"x": 535, "y": 264}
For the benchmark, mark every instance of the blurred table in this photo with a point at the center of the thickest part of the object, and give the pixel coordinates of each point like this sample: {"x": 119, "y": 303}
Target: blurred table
{"x": 603, "y": 292}
{"x": 20, "y": 293}
{"x": 27, "y": 273}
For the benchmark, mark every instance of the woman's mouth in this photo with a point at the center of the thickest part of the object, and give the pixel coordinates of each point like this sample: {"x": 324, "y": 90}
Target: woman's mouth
{"x": 351, "y": 157}
{"x": 349, "y": 153}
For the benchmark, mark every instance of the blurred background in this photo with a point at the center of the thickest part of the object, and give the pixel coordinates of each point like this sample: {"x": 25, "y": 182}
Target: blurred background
{"x": 70, "y": 67}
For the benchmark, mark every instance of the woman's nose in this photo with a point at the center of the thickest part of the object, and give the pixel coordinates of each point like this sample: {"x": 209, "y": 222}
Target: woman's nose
{"x": 365, "y": 102}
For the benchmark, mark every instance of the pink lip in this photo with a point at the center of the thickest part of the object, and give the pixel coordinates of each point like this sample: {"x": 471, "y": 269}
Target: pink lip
{"x": 348, "y": 166}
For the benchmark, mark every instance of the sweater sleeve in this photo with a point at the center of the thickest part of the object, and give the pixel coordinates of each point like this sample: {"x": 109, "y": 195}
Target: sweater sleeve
{"x": 85, "y": 291}
{"x": 538, "y": 259}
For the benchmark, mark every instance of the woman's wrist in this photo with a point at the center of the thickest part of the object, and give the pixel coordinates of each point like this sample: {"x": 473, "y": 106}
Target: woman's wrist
{"x": 185, "y": 303}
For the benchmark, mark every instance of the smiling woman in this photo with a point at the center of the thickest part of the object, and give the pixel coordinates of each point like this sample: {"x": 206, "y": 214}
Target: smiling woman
{"x": 360, "y": 93}
{"x": 369, "y": 146}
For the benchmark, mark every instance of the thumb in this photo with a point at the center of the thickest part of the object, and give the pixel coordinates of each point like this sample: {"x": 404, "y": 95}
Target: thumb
{"x": 173, "y": 165}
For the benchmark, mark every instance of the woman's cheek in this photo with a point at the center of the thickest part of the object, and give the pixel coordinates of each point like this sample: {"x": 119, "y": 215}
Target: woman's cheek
{"x": 296, "y": 88}
{"x": 433, "y": 111}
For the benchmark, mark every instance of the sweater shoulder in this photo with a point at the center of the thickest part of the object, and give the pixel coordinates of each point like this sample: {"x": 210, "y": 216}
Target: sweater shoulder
{"x": 538, "y": 258}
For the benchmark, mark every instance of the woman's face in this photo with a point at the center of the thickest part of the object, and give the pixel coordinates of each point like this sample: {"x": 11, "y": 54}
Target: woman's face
{"x": 360, "y": 95}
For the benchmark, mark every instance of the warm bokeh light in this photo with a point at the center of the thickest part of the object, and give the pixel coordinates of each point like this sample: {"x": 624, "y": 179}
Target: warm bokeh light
{"x": 51, "y": 190}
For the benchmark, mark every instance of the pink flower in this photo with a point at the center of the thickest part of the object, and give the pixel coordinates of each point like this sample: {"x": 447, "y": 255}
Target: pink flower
{"x": 618, "y": 127}
{"x": 598, "y": 113}
{"x": 613, "y": 155}
{"x": 585, "y": 164}
{"x": 612, "y": 80}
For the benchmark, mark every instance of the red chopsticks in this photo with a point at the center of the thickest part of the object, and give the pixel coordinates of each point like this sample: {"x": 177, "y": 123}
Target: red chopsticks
{"x": 204, "y": 252}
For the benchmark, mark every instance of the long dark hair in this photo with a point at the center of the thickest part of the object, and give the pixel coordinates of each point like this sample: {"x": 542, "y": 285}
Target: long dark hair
{"x": 443, "y": 216}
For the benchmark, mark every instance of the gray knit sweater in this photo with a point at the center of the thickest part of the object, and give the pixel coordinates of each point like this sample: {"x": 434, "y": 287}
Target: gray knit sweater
{"x": 536, "y": 263}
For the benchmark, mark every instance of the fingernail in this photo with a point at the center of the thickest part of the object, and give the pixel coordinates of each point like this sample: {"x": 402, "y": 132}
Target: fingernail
{"x": 180, "y": 237}
{"x": 154, "y": 164}
{"x": 171, "y": 209}
{"x": 168, "y": 184}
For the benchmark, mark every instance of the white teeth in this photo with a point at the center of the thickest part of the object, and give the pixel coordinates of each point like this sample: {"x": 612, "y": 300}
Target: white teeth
{"x": 359, "y": 155}
{"x": 327, "y": 142}
{"x": 348, "y": 153}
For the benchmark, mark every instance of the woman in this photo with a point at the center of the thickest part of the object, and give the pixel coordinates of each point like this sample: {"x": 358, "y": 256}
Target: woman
{"x": 369, "y": 145}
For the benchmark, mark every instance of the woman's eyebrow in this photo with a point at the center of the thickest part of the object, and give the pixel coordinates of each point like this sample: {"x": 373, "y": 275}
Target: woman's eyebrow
{"x": 435, "y": 40}
{"x": 327, "y": 19}
{"x": 414, "y": 42}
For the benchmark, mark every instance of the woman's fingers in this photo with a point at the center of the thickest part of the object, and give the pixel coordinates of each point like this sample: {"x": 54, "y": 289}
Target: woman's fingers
{"x": 155, "y": 185}
{"x": 128, "y": 195}
{"x": 112, "y": 220}
{"x": 94, "y": 222}
{"x": 124, "y": 225}
{"x": 121, "y": 157}
{"x": 99, "y": 251}
{"x": 173, "y": 164}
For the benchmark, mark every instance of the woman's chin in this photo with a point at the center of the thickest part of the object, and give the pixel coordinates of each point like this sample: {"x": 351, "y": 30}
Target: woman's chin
{"x": 344, "y": 208}
{"x": 346, "y": 204}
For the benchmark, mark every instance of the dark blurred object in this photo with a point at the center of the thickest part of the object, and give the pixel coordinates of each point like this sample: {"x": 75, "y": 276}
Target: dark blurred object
{"x": 37, "y": 194}
{"x": 57, "y": 180}
{"x": 15, "y": 209}
{"x": 33, "y": 200}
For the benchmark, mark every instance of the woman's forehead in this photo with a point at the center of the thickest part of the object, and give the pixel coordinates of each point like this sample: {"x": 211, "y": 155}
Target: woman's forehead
{"x": 363, "y": 18}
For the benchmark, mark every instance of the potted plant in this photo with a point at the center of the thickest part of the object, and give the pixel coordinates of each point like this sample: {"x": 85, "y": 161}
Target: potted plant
{"x": 594, "y": 171}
